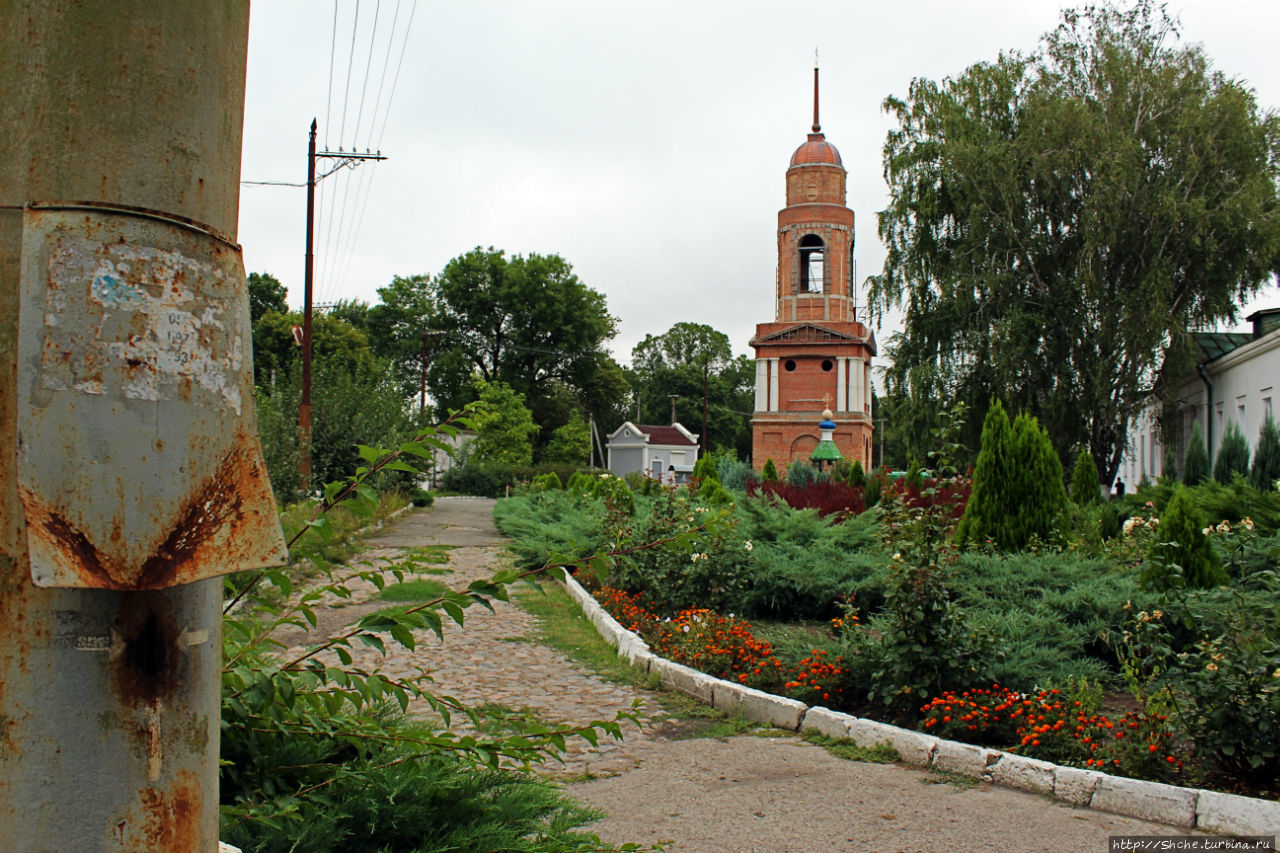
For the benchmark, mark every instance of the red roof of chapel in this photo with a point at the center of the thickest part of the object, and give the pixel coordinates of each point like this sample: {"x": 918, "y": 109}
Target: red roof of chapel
{"x": 665, "y": 435}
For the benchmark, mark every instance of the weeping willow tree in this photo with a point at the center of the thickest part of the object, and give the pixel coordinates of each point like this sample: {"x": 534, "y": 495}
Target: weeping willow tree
{"x": 1059, "y": 220}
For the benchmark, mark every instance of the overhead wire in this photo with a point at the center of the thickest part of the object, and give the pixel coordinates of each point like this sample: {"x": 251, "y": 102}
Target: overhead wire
{"x": 351, "y": 197}
{"x": 368, "y": 184}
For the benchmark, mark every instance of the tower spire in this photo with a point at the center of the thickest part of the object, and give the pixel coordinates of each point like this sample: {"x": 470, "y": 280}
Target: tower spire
{"x": 817, "y": 128}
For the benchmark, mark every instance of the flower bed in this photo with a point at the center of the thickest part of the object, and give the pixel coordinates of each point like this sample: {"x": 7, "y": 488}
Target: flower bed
{"x": 724, "y": 647}
{"x": 1048, "y": 726}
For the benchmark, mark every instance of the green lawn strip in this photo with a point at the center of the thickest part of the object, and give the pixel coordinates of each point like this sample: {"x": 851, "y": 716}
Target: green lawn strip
{"x": 881, "y": 753}
{"x": 562, "y": 626}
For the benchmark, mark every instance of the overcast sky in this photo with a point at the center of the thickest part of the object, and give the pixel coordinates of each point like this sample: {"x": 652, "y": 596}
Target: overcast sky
{"x": 645, "y": 142}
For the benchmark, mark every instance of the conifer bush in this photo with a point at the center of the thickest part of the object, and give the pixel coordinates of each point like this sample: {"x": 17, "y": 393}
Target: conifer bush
{"x": 1180, "y": 553}
{"x": 705, "y": 469}
{"x": 1084, "y": 480}
{"x": 1195, "y": 466}
{"x": 1233, "y": 455}
{"x": 1266, "y": 461}
{"x": 770, "y": 472}
{"x": 1018, "y": 492}
{"x": 1169, "y": 465}
{"x": 735, "y": 474}
{"x": 800, "y": 474}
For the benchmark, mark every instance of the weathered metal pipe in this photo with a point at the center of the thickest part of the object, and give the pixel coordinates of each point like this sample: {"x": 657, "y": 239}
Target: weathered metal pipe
{"x": 130, "y": 472}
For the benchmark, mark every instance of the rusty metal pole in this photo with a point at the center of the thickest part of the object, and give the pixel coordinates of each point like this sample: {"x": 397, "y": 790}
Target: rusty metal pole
{"x": 130, "y": 473}
{"x": 304, "y": 407}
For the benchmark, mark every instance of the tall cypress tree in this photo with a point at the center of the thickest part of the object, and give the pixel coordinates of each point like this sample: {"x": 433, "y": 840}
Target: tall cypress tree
{"x": 1085, "y": 488}
{"x": 1195, "y": 467}
{"x": 1266, "y": 459}
{"x": 985, "y": 509}
{"x": 1233, "y": 455}
{"x": 1039, "y": 495}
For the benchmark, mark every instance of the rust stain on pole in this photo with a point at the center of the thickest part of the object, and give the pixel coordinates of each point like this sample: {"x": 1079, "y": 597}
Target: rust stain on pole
{"x": 139, "y": 347}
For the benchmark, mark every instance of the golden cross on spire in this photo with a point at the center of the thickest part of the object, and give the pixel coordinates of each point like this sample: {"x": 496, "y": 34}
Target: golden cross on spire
{"x": 826, "y": 399}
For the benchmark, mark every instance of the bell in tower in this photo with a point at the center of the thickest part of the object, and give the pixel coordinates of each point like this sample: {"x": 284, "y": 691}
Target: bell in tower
{"x": 814, "y": 349}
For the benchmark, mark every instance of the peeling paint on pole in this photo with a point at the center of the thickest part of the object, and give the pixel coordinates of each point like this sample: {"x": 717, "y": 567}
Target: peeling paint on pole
{"x": 139, "y": 465}
{"x": 129, "y": 464}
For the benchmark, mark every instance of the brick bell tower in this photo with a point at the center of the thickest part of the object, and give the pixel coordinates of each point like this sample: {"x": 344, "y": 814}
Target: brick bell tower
{"x": 815, "y": 354}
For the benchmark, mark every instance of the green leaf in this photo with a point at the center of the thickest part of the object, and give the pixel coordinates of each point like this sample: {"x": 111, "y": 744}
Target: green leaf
{"x": 402, "y": 635}
{"x": 373, "y": 641}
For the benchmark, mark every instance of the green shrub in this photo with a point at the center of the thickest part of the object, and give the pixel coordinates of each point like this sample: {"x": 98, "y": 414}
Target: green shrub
{"x": 421, "y": 498}
{"x": 392, "y": 802}
{"x": 801, "y": 474}
{"x": 770, "y": 472}
{"x": 1084, "y": 480}
{"x": 581, "y": 484}
{"x": 551, "y": 525}
{"x": 549, "y": 481}
{"x": 1109, "y": 522}
{"x": 735, "y": 474}
{"x": 851, "y": 472}
{"x": 872, "y": 490}
{"x": 1018, "y": 493}
{"x": 1181, "y": 554}
{"x": 705, "y": 468}
{"x": 1233, "y": 455}
{"x": 1195, "y": 465}
{"x": 482, "y": 479}
{"x": 1265, "y": 472}
{"x": 1216, "y": 652}
{"x": 706, "y": 568}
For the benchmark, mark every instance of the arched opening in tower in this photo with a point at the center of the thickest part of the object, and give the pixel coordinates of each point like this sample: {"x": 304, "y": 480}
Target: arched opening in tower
{"x": 811, "y": 263}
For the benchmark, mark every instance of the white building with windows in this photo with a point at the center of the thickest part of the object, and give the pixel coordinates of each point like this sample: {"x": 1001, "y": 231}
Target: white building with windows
{"x": 662, "y": 452}
{"x": 1236, "y": 379}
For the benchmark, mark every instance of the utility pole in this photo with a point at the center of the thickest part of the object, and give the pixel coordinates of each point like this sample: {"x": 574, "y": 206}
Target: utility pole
{"x": 130, "y": 470}
{"x": 673, "y": 398}
{"x": 706, "y": 374}
{"x": 345, "y": 159}
{"x": 422, "y": 389}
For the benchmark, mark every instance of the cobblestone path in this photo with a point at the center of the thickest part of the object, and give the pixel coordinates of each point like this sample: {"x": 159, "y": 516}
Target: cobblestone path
{"x": 732, "y": 795}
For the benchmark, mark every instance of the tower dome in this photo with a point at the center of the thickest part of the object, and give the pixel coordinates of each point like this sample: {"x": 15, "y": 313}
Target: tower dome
{"x": 816, "y": 150}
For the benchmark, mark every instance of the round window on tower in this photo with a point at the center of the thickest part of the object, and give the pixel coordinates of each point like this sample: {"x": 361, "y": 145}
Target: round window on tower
{"x": 789, "y": 364}
{"x": 827, "y": 364}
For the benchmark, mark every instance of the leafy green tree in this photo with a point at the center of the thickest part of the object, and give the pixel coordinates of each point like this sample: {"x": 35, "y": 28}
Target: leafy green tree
{"x": 526, "y": 321}
{"x": 1195, "y": 467}
{"x": 334, "y": 343}
{"x": 1058, "y": 220}
{"x": 1233, "y": 455}
{"x": 266, "y": 293}
{"x": 401, "y": 329}
{"x": 1266, "y": 460}
{"x": 684, "y": 362}
{"x": 570, "y": 444}
{"x": 1085, "y": 488}
{"x": 506, "y": 426}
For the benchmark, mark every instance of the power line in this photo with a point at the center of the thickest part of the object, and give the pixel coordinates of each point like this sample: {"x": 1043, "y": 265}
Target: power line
{"x": 368, "y": 65}
{"x": 333, "y": 44}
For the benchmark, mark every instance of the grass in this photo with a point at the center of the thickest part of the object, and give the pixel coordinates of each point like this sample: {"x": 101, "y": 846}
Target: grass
{"x": 415, "y": 591}
{"x": 562, "y": 626}
{"x": 881, "y": 753}
{"x": 948, "y": 777}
